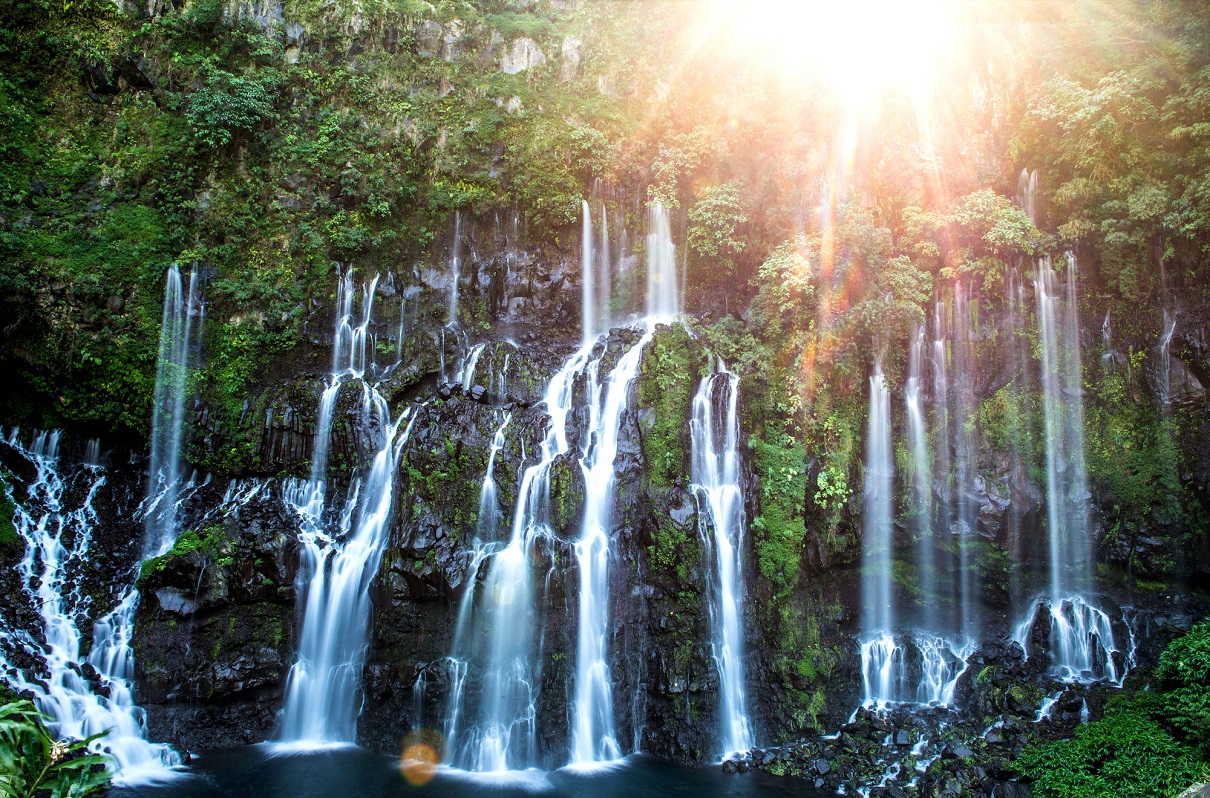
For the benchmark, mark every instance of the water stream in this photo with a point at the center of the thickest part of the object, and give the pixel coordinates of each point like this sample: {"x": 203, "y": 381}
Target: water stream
{"x": 714, "y": 435}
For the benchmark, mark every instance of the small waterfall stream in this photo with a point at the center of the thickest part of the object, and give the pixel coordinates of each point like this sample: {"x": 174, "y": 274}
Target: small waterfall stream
{"x": 593, "y": 738}
{"x": 57, "y": 540}
{"x": 455, "y": 269}
{"x": 877, "y": 532}
{"x": 715, "y": 472}
{"x": 500, "y": 731}
{"x": 338, "y": 564}
{"x": 179, "y": 337}
{"x": 922, "y": 493}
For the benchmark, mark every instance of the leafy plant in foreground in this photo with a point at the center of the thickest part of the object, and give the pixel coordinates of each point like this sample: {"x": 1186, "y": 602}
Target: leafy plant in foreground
{"x": 31, "y": 761}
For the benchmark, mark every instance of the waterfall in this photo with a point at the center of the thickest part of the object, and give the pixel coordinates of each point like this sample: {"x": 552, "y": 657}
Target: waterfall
{"x": 876, "y": 530}
{"x": 595, "y": 275}
{"x": 324, "y": 684}
{"x": 1066, "y": 488}
{"x": 489, "y": 506}
{"x": 879, "y": 651}
{"x": 593, "y": 738}
{"x": 465, "y": 375}
{"x": 588, "y": 280}
{"x": 57, "y": 539}
{"x": 715, "y": 474}
{"x": 663, "y": 303}
{"x": 922, "y": 668}
{"x": 1165, "y": 357}
{"x": 921, "y": 479}
{"x": 337, "y": 565}
{"x": 178, "y": 338}
{"x": 455, "y": 268}
{"x": 501, "y": 731}
{"x": 965, "y": 461}
{"x": 1081, "y": 637}
{"x": 1021, "y": 448}
{"x": 92, "y": 452}
{"x": 605, "y": 276}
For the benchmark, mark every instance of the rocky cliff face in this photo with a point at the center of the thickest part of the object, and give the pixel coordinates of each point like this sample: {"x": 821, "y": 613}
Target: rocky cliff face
{"x": 218, "y": 623}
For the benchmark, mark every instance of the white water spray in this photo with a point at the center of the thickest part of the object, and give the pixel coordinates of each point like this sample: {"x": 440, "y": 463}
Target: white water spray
{"x": 715, "y": 474}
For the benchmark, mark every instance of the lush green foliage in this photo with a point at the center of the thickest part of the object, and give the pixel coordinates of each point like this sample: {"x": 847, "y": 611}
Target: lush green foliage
{"x": 1184, "y": 671}
{"x": 34, "y": 763}
{"x": 1126, "y": 754}
{"x": 1132, "y": 752}
{"x": 668, "y": 376}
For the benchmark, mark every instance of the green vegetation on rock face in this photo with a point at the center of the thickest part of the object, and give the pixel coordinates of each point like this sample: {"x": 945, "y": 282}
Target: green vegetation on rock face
{"x": 9, "y": 539}
{"x": 668, "y": 377}
{"x": 212, "y": 543}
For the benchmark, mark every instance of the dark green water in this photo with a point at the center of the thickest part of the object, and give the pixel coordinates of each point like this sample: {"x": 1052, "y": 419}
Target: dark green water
{"x": 258, "y": 772}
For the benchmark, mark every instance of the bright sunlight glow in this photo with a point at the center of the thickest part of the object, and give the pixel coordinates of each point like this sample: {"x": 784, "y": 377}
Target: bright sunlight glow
{"x": 860, "y": 46}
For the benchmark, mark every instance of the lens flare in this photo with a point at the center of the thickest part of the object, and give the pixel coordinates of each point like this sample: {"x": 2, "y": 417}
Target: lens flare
{"x": 421, "y": 755}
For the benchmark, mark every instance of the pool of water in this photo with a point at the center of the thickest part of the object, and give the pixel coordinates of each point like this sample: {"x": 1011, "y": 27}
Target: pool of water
{"x": 263, "y": 771}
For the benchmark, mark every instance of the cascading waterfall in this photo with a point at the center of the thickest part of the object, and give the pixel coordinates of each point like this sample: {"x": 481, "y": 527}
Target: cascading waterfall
{"x": 324, "y": 684}
{"x": 92, "y": 452}
{"x": 455, "y": 269}
{"x": 466, "y": 372}
{"x": 663, "y": 301}
{"x": 921, "y": 479}
{"x": 500, "y": 732}
{"x": 57, "y": 541}
{"x": 921, "y": 667}
{"x": 878, "y": 648}
{"x": 1021, "y": 450}
{"x": 596, "y": 275}
{"x": 593, "y": 738}
{"x": 605, "y": 275}
{"x": 588, "y": 278}
{"x": 1081, "y": 637}
{"x": 178, "y": 338}
{"x": 336, "y": 569}
{"x": 489, "y": 505}
{"x": 965, "y": 464}
{"x": 1165, "y": 358}
{"x": 715, "y": 473}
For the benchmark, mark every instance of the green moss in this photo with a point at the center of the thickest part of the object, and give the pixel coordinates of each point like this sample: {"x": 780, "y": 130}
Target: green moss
{"x": 674, "y": 551}
{"x": 212, "y": 543}
{"x": 10, "y": 541}
{"x": 779, "y": 529}
{"x": 667, "y": 378}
